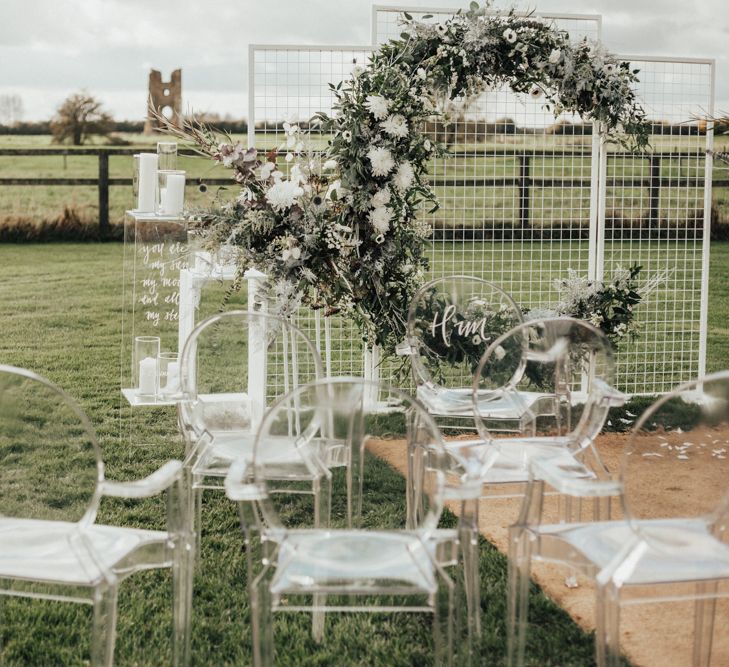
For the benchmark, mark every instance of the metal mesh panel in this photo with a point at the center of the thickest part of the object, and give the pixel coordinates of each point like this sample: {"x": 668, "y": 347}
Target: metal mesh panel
{"x": 516, "y": 191}
{"x": 291, "y": 83}
{"x": 519, "y": 194}
{"x": 655, "y": 208}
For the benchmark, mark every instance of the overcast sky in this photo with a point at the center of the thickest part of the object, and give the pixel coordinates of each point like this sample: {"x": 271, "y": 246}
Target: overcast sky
{"x": 50, "y": 48}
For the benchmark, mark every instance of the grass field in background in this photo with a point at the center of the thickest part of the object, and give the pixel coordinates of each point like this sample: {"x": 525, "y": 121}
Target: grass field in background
{"x": 461, "y": 206}
{"x": 60, "y": 308}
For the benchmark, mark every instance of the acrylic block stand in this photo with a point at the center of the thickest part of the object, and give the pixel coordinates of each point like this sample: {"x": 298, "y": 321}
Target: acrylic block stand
{"x": 155, "y": 252}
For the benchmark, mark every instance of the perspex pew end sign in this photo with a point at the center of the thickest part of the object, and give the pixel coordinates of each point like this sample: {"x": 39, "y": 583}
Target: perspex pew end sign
{"x": 155, "y": 252}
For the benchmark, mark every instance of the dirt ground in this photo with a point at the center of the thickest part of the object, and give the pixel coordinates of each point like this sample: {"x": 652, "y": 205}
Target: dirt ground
{"x": 665, "y": 469}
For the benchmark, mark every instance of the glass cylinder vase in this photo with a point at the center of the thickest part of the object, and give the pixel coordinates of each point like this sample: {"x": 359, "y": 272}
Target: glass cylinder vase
{"x": 145, "y": 367}
{"x": 167, "y": 155}
{"x": 169, "y": 373}
{"x": 171, "y": 189}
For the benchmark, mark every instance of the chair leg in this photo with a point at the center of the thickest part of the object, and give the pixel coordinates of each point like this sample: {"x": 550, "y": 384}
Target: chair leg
{"x": 262, "y": 621}
{"x": 196, "y": 528}
{"x": 704, "y": 611}
{"x": 517, "y": 602}
{"x": 469, "y": 545}
{"x": 443, "y": 620}
{"x": 322, "y": 488}
{"x": 104, "y": 631}
{"x": 183, "y": 569}
{"x": 607, "y": 632}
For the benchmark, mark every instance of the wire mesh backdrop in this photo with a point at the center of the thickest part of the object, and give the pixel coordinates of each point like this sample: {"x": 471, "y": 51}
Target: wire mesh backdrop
{"x": 291, "y": 84}
{"x": 521, "y": 194}
{"x": 654, "y": 209}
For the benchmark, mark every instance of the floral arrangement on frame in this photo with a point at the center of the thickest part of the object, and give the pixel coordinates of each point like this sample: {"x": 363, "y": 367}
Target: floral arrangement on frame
{"x": 346, "y": 230}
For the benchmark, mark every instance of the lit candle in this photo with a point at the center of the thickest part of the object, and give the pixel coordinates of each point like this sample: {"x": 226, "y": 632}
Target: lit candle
{"x": 174, "y": 194}
{"x": 147, "y": 182}
{"x": 148, "y": 376}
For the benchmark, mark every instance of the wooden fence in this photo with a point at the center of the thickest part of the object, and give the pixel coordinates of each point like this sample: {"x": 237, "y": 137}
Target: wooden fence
{"x": 524, "y": 182}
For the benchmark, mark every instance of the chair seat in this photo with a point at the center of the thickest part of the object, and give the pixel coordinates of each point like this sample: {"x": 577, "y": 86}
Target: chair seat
{"x": 513, "y": 456}
{"x": 676, "y": 550}
{"x": 227, "y": 446}
{"x": 350, "y": 561}
{"x": 509, "y": 406}
{"x": 61, "y": 552}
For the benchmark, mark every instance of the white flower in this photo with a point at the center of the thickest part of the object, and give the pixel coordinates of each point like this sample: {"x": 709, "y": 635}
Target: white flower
{"x": 380, "y": 239}
{"x": 347, "y": 135}
{"x": 427, "y": 145}
{"x": 266, "y": 170}
{"x": 381, "y": 160}
{"x": 555, "y": 56}
{"x": 297, "y": 176}
{"x": 609, "y": 68}
{"x": 404, "y": 177}
{"x": 380, "y": 219}
{"x": 330, "y": 164}
{"x": 357, "y": 71}
{"x": 621, "y": 329}
{"x": 291, "y": 253}
{"x": 535, "y": 92}
{"x": 596, "y": 319}
{"x": 476, "y": 340}
{"x": 378, "y": 106}
{"x": 282, "y": 195}
{"x": 510, "y": 35}
{"x": 421, "y": 74}
{"x": 380, "y": 198}
{"x": 395, "y": 126}
{"x": 499, "y": 353}
{"x": 442, "y": 29}
{"x": 276, "y": 175}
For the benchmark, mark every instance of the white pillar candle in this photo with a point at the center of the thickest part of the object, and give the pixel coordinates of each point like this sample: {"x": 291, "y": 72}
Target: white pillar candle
{"x": 173, "y": 377}
{"x": 148, "y": 376}
{"x": 174, "y": 194}
{"x": 147, "y": 196}
{"x": 163, "y": 201}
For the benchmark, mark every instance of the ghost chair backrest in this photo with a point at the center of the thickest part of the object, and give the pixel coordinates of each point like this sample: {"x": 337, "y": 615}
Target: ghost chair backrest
{"x": 567, "y": 360}
{"x": 234, "y": 364}
{"x": 451, "y": 322}
{"x": 676, "y": 464}
{"x": 343, "y": 409}
{"x": 50, "y": 461}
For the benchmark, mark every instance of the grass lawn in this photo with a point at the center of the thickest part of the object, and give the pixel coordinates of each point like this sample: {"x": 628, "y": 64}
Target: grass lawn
{"x": 60, "y": 314}
{"x": 60, "y": 311}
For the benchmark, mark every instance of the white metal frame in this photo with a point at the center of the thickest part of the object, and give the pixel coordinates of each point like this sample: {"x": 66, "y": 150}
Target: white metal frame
{"x": 598, "y": 166}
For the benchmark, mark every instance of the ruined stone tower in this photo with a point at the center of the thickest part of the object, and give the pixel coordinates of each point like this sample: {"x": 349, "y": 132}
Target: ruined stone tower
{"x": 166, "y": 97}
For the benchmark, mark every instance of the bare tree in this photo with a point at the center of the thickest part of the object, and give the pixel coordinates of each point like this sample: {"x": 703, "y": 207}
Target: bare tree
{"x": 11, "y": 109}
{"x": 79, "y": 117}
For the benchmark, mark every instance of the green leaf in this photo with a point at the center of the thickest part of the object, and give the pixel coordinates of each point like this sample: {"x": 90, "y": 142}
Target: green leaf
{"x": 427, "y": 16}
{"x": 407, "y": 16}
{"x": 474, "y": 6}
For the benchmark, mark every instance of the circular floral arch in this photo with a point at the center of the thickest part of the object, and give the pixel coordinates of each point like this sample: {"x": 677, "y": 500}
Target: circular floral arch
{"x": 346, "y": 230}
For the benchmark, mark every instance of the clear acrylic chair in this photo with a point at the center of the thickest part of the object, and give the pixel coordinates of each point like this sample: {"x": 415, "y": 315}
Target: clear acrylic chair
{"x": 51, "y": 482}
{"x": 232, "y": 366}
{"x": 362, "y": 558}
{"x": 658, "y": 544}
{"x": 451, "y": 322}
{"x": 569, "y": 364}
